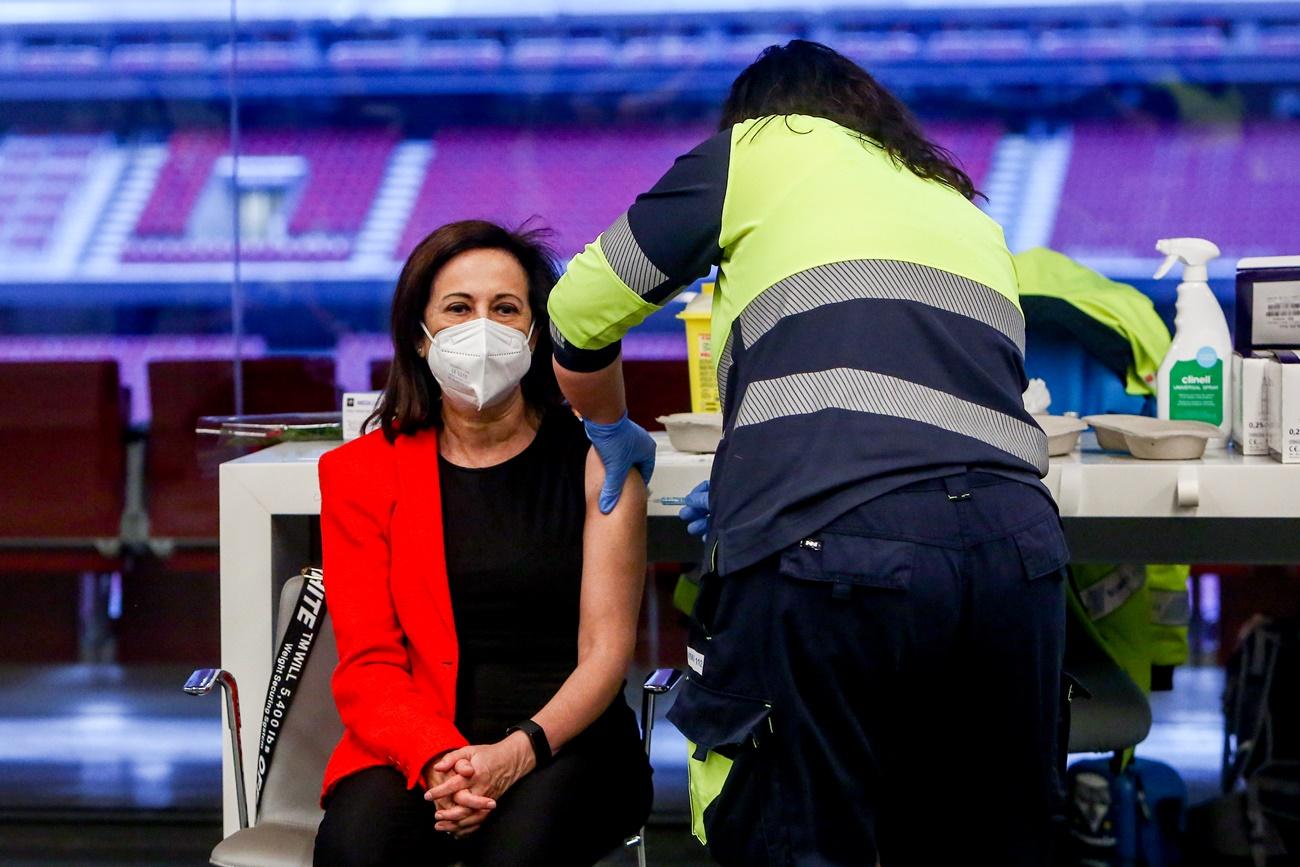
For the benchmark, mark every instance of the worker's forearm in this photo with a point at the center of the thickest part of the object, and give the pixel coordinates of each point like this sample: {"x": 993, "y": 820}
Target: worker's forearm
{"x": 597, "y": 396}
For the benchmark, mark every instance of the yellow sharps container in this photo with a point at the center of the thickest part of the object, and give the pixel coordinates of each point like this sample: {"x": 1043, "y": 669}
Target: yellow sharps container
{"x": 699, "y": 351}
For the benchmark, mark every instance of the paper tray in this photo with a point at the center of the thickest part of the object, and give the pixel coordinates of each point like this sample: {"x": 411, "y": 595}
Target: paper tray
{"x": 1062, "y": 433}
{"x": 698, "y": 432}
{"x": 1153, "y": 439}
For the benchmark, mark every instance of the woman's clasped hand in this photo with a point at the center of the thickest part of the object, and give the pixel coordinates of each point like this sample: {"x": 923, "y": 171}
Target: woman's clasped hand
{"x": 465, "y": 783}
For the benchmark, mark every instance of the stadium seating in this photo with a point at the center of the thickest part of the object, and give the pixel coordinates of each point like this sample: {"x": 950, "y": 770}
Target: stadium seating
{"x": 971, "y": 143}
{"x": 344, "y": 171}
{"x": 38, "y": 177}
{"x": 183, "y": 492}
{"x": 522, "y": 45}
{"x": 1229, "y": 182}
{"x": 1234, "y": 184}
{"x": 63, "y": 465}
{"x": 131, "y": 354}
{"x": 576, "y": 179}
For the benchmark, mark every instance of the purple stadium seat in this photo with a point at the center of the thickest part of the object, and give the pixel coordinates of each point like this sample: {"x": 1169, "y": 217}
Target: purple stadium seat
{"x": 38, "y": 175}
{"x": 971, "y": 143}
{"x": 323, "y": 226}
{"x": 1232, "y": 184}
{"x": 190, "y": 157}
{"x": 579, "y": 179}
{"x": 576, "y": 179}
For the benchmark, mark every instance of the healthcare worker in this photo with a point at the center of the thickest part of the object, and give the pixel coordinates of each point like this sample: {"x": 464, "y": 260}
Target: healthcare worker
{"x": 875, "y": 663}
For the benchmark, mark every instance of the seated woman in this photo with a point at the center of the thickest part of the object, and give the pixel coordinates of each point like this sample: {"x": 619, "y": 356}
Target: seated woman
{"x": 485, "y": 609}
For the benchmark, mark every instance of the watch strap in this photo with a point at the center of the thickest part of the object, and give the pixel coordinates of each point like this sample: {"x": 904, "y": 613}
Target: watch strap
{"x": 537, "y": 737}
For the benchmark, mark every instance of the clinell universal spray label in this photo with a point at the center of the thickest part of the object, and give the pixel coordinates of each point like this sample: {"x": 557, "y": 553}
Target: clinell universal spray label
{"x": 1196, "y": 391}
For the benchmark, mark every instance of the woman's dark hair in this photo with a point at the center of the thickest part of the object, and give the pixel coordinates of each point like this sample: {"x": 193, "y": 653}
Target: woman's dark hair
{"x": 804, "y": 77}
{"x": 412, "y": 398}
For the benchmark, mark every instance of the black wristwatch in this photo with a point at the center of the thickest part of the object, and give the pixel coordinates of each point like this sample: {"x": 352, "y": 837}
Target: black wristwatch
{"x": 537, "y": 737}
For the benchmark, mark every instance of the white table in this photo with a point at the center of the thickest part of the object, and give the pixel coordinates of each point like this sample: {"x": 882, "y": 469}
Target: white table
{"x": 1223, "y": 508}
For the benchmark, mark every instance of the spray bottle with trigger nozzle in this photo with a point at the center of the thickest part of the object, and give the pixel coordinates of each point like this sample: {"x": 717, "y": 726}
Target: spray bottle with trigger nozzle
{"x": 1193, "y": 379}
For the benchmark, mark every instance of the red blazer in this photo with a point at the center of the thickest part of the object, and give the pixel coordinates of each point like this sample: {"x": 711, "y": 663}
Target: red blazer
{"x": 387, "y": 592}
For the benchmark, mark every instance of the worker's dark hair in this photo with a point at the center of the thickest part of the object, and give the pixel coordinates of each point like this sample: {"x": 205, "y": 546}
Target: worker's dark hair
{"x": 412, "y": 399}
{"x": 809, "y": 78}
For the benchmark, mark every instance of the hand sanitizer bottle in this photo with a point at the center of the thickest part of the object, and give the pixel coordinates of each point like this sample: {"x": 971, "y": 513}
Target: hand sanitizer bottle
{"x": 1193, "y": 379}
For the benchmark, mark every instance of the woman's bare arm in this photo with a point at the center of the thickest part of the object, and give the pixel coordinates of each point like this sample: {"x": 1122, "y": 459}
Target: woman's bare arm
{"x": 613, "y": 579}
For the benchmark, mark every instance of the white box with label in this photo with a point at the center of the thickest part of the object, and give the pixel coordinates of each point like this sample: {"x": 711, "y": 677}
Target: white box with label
{"x": 1249, "y": 404}
{"x": 1267, "y": 304}
{"x": 1282, "y": 386}
{"x": 357, "y": 407}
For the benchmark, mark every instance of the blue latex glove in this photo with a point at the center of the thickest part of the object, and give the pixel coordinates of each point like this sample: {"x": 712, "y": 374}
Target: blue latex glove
{"x": 621, "y": 446}
{"x": 696, "y": 511}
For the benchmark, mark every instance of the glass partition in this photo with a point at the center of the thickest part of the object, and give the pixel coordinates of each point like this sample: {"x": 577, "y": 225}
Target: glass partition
{"x": 204, "y": 208}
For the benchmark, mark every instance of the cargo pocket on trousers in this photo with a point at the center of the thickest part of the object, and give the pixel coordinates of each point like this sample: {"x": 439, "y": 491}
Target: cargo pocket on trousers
{"x": 725, "y": 735}
{"x": 844, "y": 561}
{"x": 1042, "y": 547}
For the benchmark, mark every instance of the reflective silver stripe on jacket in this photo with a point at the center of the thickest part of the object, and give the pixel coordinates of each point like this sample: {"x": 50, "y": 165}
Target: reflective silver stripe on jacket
{"x": 628, "y": 260}
{"x": 855, "y": 390}
{"x": 886, "y": 280}
{"x": 879, "y": 279}
{"x": 557, "y": 338}
{"x": 1110, "y": 593}
{"x": 724, "y": 368}
{"x": 1170, "y": 608}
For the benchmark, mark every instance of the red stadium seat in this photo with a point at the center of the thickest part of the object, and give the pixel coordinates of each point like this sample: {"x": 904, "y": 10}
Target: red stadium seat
{"x": 62, "y": 493}
{"x": 182, "y": 495}
{"x": 170, "y": 605}
{"x": 63, "y": 466}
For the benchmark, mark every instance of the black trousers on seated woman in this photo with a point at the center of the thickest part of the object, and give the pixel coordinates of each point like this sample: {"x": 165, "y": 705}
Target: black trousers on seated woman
{"x": 574, "y": 811}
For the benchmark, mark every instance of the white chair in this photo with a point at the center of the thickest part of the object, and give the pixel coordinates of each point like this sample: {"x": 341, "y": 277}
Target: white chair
{"x": 288, "y": 812}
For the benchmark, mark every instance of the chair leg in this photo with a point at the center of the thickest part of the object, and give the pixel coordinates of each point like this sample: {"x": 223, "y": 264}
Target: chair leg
{"x": 659, "y": 682}
{"x": 202, "y": 682}
{"x": 647, "y": 731}
{"x": 647, "y": 720}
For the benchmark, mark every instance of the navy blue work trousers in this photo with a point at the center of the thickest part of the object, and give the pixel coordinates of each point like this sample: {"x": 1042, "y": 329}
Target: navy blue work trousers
{"x": 888, "y": 688}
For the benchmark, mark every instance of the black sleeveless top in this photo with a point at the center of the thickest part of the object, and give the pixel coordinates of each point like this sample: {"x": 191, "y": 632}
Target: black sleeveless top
{"x": 514, "y": 559}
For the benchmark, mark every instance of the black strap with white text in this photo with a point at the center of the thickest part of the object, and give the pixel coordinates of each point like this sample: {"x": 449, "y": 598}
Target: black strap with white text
{"x": 290, "y": 661}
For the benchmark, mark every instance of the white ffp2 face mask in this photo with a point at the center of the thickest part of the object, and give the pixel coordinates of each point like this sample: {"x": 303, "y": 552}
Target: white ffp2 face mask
{"x": 479, "y": 361}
